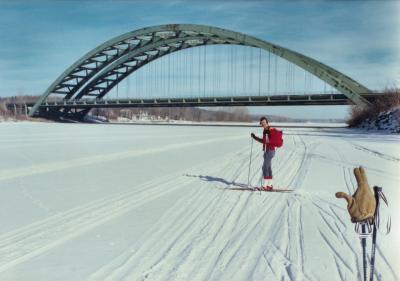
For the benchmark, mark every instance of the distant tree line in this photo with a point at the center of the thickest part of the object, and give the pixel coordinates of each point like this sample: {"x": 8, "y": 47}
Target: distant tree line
{"x": 228, "y": 114}
{"x": 15, "y": 113}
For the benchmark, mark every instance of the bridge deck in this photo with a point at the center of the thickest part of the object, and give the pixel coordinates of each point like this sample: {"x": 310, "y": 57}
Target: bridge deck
{"x": 281, "y": 100}
{"x": 276, "y": 100}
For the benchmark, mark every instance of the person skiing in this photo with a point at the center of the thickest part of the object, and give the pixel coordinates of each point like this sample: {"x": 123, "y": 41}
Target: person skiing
{"x": 269, "y": 153}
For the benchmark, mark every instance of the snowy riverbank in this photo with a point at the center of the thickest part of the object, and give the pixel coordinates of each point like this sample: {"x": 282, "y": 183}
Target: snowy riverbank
{"x": 388, "y": 121}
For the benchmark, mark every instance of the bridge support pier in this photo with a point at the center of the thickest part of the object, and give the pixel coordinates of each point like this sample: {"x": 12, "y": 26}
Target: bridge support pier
{"x": 63, "y": 114}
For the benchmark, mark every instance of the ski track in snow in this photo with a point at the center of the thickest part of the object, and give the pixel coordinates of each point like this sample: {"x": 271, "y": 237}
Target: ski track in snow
{"x": 376, "y": 153}
{"x": 32, "y": 240}
{"x": 328, "y": 215}
{"x": 213, "y": 233}
{"x": 102, "y": 158}
{"x": 50, "y": 141}
{"x": 209, "y": 256}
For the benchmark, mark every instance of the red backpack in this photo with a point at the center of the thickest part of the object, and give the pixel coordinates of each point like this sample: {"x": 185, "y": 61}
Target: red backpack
{"x": 275, "y": 137}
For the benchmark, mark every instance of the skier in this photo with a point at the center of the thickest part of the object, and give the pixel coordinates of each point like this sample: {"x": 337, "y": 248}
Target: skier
{"x": 269, "y": 153}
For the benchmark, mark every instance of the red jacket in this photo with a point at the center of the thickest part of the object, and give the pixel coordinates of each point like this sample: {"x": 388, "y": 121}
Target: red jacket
{"x": 265, "y": 140}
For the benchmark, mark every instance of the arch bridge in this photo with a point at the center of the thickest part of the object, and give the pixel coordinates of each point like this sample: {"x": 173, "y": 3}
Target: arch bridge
{"x": 87, "y": 82}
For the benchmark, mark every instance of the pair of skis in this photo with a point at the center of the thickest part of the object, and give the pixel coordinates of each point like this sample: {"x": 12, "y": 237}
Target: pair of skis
{"x": 272, "y": 190}
{"x": 252, "y": 189}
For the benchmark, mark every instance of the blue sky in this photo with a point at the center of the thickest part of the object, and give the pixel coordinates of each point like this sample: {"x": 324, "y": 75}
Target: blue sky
{"x": 39, "y": 39}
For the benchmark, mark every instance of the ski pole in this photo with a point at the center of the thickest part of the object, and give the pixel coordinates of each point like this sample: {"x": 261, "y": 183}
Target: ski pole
{"x": 363, "y": 244}
{"x": 251, "y": 154}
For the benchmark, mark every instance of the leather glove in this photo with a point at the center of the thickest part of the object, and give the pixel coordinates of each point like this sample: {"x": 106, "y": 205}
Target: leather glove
{"x": 362, "y": 204}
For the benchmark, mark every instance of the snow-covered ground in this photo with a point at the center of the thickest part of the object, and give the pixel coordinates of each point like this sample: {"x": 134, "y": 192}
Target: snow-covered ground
{"x": 130, "y": 202}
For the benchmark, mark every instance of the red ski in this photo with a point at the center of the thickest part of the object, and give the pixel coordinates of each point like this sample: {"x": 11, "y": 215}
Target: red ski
{"x": 260, "y": 189}
{"x": 273, "y": 190}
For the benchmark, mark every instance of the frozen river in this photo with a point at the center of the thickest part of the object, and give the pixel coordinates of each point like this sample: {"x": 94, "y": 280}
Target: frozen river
{"x": 129, "y": 202}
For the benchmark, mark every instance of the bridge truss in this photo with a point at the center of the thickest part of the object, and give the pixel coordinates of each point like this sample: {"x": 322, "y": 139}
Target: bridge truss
{"x": 85, "y": 83}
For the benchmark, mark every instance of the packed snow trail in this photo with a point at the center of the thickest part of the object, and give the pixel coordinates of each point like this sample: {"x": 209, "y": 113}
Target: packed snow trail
{"x": 233, "y": 244}
{"x": 29, "y": 241}
{"x": 195, "y": 226}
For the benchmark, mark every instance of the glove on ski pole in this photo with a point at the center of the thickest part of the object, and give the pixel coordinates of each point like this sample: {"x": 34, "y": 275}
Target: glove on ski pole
{"x": 362, "y": 204}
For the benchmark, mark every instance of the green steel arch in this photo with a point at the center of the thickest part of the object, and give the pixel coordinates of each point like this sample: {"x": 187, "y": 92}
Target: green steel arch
{"x": 98, "y": 71}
